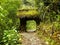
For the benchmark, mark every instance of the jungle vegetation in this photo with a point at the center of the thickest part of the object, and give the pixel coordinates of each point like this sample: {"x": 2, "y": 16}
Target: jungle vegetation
{"x": 49, "y": 13}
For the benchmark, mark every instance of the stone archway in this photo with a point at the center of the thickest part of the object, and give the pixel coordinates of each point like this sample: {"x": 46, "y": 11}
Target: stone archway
{"x": 27, "y": 14}
{"x": 25, "y": 19}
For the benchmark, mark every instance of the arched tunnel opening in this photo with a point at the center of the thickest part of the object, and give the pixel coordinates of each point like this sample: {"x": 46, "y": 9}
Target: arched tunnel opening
{"x": 25, "y": 19}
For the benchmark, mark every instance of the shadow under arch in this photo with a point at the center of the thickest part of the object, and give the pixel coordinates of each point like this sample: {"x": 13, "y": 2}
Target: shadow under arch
{"x": 23, "y": 22}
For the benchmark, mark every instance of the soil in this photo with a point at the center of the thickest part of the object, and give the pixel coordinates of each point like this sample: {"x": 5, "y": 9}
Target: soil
{"x": 31, "y": 39}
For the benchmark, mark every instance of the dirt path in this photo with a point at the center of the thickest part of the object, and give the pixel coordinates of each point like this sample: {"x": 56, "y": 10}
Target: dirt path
{"x": 31, "y": 39}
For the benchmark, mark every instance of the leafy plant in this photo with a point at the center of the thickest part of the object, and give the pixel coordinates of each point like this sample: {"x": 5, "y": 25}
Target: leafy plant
{"x": 8, "y": 18}
{"x": 10, "y": 37}
{"x": 31, "y": 25}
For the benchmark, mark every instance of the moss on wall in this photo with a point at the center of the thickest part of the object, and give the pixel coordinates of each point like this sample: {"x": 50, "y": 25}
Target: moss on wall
{"x": 27, "y": 12}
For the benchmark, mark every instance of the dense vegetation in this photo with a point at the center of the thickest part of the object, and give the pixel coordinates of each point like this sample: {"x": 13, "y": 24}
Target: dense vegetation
{"x": 8, "y": 22}
{"x": 49, "y": 13}
{"x": 49, "y": 28}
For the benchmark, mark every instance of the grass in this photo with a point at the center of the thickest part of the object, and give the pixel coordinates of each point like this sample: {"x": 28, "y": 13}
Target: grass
{"x": 45, "y": 33}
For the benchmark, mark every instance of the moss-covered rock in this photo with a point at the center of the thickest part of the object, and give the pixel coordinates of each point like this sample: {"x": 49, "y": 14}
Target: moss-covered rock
{"x": 27, "y": 8}
{"x": 27, "y": 12}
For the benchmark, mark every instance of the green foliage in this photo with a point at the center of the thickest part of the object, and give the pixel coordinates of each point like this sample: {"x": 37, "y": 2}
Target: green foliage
{"x": 8, "y": 18}
{"x": 49, "y": 33}
{"x": 56, "y": 26}
{"x": 28, "y": 4}
{"x": 31, "y": 25}
{"x": 49, "y": 13}
{"x": 8, "y": 14}
{"x": 10, "y": 37}
{"x": 48, "y": 9}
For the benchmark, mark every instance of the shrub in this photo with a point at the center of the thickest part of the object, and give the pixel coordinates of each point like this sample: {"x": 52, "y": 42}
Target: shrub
{"x": 10, "y": 37}
{"x": 8, "y": 19}
{"x": 31, "y": 25}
